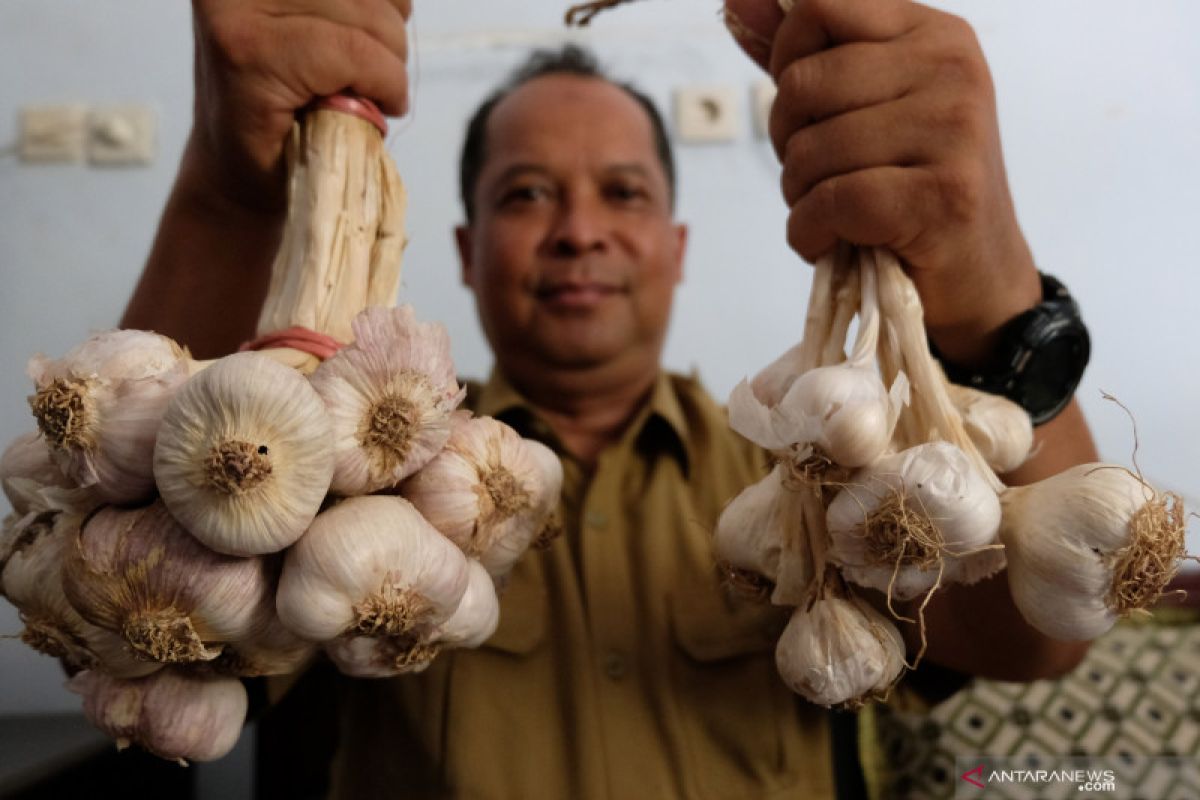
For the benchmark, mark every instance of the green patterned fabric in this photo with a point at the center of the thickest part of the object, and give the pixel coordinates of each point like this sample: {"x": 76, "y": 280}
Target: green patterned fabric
{"x": 1133, "y": 700}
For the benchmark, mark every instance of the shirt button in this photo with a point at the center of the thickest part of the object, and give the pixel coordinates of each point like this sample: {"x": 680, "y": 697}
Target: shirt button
{"x": 615, "y": 666}
{"x": 596, "y": 519}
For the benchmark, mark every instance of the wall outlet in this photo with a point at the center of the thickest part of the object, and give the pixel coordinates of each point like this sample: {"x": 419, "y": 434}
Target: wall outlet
{"x": 706, "y": 114}
{"x": 762, "y": 97}
{"x": 52, "y": 133}
{"x": 121, "y": 135}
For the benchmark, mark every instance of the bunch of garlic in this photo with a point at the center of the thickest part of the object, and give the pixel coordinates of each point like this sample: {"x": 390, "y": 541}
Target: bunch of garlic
{"x": 99, "y": 409}
{"x": 390, "y": 395}
{"x": 172, "y": 714}
{"x": 243, "y": 458}
{"x": 489, "y": 490}
{"x": 138, "y": 573}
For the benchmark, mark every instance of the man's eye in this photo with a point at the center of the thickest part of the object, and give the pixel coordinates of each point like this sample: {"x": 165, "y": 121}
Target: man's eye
{"x": 524, "y": 194}
{"x": 624, "y": 192}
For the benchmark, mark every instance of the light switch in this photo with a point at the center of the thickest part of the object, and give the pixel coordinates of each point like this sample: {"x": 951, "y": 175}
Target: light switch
{"x": 52, "y": 133}
{"x": 121, "y": 135}
{"x": 706, "y": 114}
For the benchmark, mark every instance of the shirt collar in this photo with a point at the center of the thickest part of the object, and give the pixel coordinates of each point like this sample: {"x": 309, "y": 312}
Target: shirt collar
{"x": 664, "y": 413}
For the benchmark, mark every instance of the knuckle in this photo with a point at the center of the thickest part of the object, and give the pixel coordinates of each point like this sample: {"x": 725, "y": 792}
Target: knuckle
{"x": 961, "y": 191}
{"x": 963, "y": 118}
{"x": 236, "y": 41}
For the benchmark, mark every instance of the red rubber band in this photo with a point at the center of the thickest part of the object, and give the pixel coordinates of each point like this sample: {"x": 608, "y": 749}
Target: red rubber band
{"x": 356, "y": 106}
{"x": 297, "y": 338}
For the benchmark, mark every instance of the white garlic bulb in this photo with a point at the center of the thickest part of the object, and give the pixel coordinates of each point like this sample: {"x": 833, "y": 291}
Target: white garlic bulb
{"x": 137, "y": 572}
{"x": 390, "y": 395}
{"x": 1000, "y": 428}
{"x": 760, "y": 539}
{"x": 171, "y": 714}
{"x": 244, "y": 455}
{"x": 839, "y": 652}
{"x": 99, "y": 408}
{"x": 471, "y": 624}
{"x": 370, "y": 566}
{"x": 26, "y": 465}
{"x": 907, "y": 521}
{"x": 31, "y": 554}
{"x": 489, "y": 490}
{"x": 1087, "y": 546}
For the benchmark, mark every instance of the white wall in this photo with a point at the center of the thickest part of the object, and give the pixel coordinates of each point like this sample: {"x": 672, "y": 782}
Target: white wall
{"x": 1100, "y": 103}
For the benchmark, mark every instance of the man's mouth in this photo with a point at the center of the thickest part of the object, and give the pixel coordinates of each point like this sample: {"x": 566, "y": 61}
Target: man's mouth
{"x": 577, "y": 295}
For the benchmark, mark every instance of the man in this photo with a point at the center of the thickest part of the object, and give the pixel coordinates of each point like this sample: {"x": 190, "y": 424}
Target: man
{"x": 621, "y": 667}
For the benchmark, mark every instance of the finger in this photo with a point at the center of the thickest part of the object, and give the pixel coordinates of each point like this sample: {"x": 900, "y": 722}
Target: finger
{"x": 884, "y": 206}
{"x": 837, "y": 81}
{"x": 338, "y": 57}
{"x": 384, "y": 20}
{"x": 814, "y": 25}
{"x": 753, "y": 24}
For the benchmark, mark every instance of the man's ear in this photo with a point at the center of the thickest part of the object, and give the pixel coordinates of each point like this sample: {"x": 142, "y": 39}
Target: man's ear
{"x": 462, "y": 240}
{"x": 681, "y": 238}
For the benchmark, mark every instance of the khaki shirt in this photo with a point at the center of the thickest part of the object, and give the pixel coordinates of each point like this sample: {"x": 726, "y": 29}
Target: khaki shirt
{"x": 621, "y": 667}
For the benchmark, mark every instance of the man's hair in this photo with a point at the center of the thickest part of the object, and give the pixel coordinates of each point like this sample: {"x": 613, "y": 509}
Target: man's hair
{"x": 569, "y": 60}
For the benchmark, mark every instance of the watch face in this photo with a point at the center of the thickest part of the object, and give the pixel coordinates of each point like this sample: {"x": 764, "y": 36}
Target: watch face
{"x": 1052, "y": 371}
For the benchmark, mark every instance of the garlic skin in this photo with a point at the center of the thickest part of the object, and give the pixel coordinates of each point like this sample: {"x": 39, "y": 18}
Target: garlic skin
{"x": 137, "y": 572}
{"x": 752, "y": 537}
{"x": 243, "y": 459}
{"x": 489, "y": 490}
{"x": 472, "y": 623}
{"x": 372, "y": 566}
{"x": 908, "y": 521}
{"x": 31, "y": 554}
{"x": 1000, "y": 428}
{"x": 1087, "y": 546}
{"x": 273, "y": 651}
{"x": 170, "y": 714}
{"x": 839, "y": 652}
{"x": 99, "y": 409}
{"x": 390, "y": 395}
{"x": 26, "y": 462}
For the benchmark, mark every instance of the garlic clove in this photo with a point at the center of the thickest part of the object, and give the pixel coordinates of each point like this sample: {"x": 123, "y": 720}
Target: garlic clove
{"x": 99, "y": 409}
{"x": 390, "y": 396}
{"x": 477, "y": 615}
{"x": 839, "y": 652}
{"x": 1000, "y": 428}
{"x": 137, "y": 572}
{"x": 172, "y": 715}
{"x": 26, "y": 466}
{"x": 753, "y": 529}
{"x": 370, "y": 566}
{"x": 243, "y": 457}
{"x": 1088, "y": 546}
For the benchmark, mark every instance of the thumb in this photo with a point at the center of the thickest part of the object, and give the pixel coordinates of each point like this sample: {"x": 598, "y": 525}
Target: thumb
{"x": 753, "y": 24}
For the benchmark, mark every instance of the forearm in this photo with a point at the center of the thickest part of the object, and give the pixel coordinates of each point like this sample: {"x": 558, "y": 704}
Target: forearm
{"x": 208, "y": 270}
{"x": 977, "y": 629}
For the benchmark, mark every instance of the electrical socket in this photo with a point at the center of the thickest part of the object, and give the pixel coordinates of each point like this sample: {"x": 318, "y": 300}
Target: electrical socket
{"x": 121, "y": 135}
{"x": 52, "y": 133}
{"x": 761, "y": 100}
{"x": 705, "y": 114}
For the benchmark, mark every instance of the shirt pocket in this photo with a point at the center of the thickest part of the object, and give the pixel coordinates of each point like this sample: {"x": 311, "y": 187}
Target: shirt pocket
{"x": 744, "y": 733}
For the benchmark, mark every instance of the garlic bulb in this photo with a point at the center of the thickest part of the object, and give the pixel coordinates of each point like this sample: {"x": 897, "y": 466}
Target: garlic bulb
{"x": 906, "y": 522}
{"x": 489, "y": 490}
{"x": 243, "y": 458}
{"x": 31, "y": 554}
{"x": 1087, "y": 546}
{"x": 752, "y": 537}
{"x": 27, "y": 459}
{"x": 371, "y": 566}
{"x": 99, "y": 408}
{"x": 1000, "y": 428}
{"x": 139, "y": 573}
{"x": 472, "y": 623}
{"x": 274, "y": 650}
{"x": 839, "y": 652}
{"x": 390, "y": 395}
{"x": 170, "y": 714}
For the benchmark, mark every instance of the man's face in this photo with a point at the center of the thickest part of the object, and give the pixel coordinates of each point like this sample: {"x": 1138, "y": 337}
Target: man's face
{"x": 573, "y": 254}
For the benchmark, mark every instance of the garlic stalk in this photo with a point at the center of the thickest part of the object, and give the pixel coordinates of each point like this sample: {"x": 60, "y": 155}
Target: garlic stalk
{"x": 137, "y": 572}
{"x": 914, "y": 519}
{"x": 170, "y": 714}
{"x": 99, "y": 409}
{"x": 243, "y": 458}
{"x": 390, "y": 396}
{"x": 31, "y": 555}
{"x": 370, "y": 566}
{"x": 1000, "y": 428}
{"x": 1087, "y": 546}
{"x": 471, "y": 624}
{"x": 489, "y": 490}
{"x": 839, "y": 651}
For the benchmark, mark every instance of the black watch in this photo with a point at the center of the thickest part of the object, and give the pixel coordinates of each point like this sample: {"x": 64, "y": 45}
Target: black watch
{"x": 1039, "y": 358}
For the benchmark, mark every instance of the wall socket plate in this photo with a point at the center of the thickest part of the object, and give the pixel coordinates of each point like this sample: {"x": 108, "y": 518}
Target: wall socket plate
{"x": 762, "y": 97}
{"x": 52, "y": 133}
{"x": 705, "y": 114}
{"x": 121, "y": 135}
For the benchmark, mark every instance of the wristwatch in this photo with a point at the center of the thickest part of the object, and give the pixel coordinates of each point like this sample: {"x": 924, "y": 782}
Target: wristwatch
{"x": 1039, "y": 358}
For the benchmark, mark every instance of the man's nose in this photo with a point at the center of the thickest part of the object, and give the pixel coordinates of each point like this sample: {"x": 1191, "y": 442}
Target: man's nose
{"x": 580, "y": 226}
